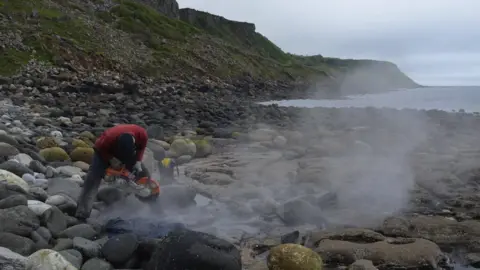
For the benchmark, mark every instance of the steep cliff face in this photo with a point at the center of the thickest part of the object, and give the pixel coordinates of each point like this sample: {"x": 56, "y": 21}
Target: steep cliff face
{"x": 217, "y": 24}
{"x": 167, "y": 7}
{"x": 241, "y": 34}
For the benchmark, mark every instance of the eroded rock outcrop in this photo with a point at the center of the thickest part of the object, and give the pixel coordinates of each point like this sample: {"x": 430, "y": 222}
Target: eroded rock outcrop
{"x": 167, "y": 7}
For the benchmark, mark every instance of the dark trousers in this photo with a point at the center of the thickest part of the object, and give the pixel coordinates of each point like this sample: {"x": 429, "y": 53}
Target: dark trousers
{"x": 91, "y": 184}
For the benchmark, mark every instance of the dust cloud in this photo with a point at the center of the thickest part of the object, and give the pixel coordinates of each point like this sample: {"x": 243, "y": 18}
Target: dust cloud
{"x": 338, "y": 167}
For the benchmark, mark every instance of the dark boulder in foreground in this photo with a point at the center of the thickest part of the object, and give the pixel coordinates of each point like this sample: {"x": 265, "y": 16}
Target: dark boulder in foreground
{"x": 185, "y": 249}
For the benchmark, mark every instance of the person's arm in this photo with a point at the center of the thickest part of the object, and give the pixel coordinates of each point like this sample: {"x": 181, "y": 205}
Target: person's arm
{"x": 141, "y": 140}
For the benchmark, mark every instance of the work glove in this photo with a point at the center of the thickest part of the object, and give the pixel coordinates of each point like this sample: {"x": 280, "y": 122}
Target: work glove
{"x": 137, "y": 168}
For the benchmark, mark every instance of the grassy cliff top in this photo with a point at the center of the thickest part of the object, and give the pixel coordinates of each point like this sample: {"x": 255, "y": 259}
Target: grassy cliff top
{"x": 128, "y": 36}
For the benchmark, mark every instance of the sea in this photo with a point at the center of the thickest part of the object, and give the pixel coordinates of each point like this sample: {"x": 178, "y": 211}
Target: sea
{"x": 445, "y": 98}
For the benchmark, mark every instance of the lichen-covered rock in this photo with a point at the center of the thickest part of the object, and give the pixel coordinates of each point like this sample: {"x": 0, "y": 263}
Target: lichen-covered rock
{"x": 54, "y": 154}
{"x": 183, "y": 147}
{"x": 79, "y": 143}
{"x": 87, "y": 135}
{"x": 11, "y": 178}
{"x": 46, "y": 142}
{"x": 204, "y": 148}
{"x": 47, "y": 259}
{"x": 84, "y": 154}
{"x": 293, "y": 257}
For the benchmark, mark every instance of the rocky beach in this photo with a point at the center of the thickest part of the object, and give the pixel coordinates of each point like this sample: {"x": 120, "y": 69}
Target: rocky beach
{"x": 260, "y": 187}
{"x": 357, "y": 186}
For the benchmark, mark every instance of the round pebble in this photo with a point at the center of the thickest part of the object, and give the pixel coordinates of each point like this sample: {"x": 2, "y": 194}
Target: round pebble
{"x": 28, "y": 178}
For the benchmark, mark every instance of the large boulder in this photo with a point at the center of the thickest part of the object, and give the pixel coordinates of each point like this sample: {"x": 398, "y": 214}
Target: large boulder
{"x": 298, "y": 211}
{"x": 18, "y": 220}
{"x": 54, "y": 219}
{"x": 15, "y": 167}
{"x": 12, "y": 179}
{"x": 182, "y": 147}
{"x": 19, "y": 244}
{"x": 422, "y": 254}
{"x": 54, "y": 154}
{"x": 293, "y": 257}
{"x": 204, "y": 148}
{"x": 7, "y": 190}
{"x": 120, "y": 248}
{"x": 186, "y": 249}
{"x": 47, "y": 259}
{"x": 84, "y": 154}
{"x": 7, "y": 150}
{"x": 12, "y": 201}
{"x": 6, "y": 138}
{"x": 444, "y": 231}
{"x": 63, "y": 186}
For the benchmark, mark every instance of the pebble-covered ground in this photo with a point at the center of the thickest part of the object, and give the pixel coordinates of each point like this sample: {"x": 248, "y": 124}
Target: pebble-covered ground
{"x": 359, "y": 188}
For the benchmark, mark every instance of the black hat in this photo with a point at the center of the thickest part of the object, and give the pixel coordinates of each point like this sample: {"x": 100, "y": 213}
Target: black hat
{"x": 126, "y": 149}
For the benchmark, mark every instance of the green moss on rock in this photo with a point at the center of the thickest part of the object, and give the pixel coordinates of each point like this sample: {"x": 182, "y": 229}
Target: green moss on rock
{"x": 204, "y": 148}
{"x": 293, "y": 257}
{"x": 54, "y": 154}
{"x": 79, "y": 143}
{"x": 46, "y": 142}
{"x": 84, "y": 154}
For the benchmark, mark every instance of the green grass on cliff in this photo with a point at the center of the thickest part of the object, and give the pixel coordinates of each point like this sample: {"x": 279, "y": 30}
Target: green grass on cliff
{"x": 147, "y": 23}
{"x": 133, "y": 37}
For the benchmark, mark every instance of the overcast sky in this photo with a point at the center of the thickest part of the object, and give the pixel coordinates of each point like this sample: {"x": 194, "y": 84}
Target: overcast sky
{"x": 436, "y": 42}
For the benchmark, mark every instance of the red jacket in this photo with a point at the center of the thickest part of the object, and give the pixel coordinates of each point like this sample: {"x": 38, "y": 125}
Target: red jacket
{"x": 105, "y": 144}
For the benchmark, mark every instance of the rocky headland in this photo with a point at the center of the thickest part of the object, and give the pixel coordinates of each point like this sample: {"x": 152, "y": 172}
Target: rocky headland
{"x": 261, "y": 187}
